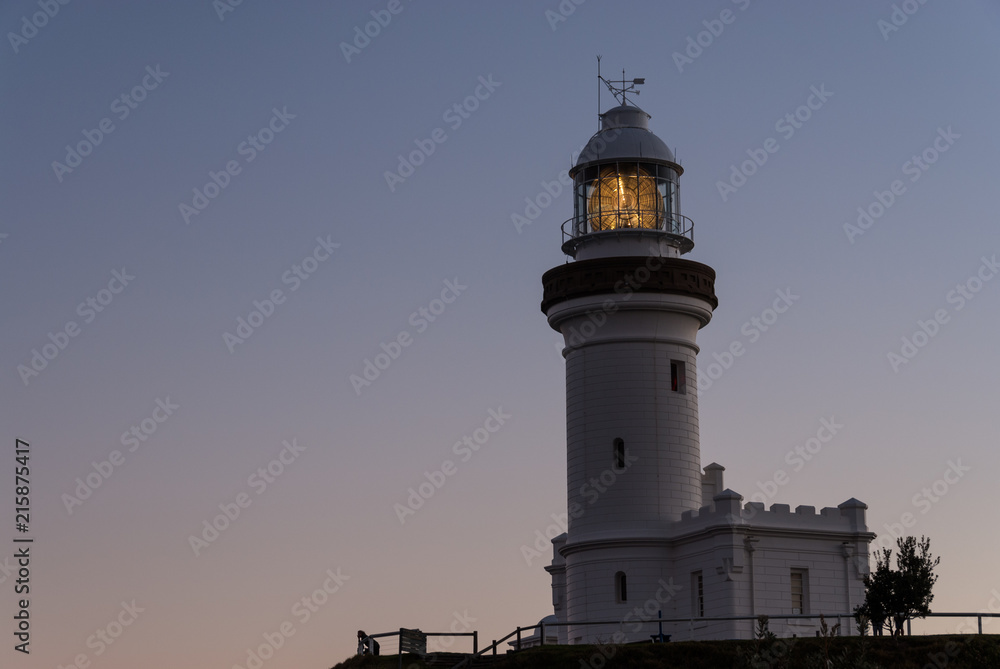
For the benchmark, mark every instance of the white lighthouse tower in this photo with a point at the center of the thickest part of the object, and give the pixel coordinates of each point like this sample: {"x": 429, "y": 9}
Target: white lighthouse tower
{"x": 648, "y": 529}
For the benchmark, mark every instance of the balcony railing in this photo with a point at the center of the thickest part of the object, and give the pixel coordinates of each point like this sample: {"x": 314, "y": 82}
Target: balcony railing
{"x": 575, "y": 230}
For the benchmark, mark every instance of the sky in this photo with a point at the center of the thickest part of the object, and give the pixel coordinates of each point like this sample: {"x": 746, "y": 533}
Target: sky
{"x": 268, "y": 267}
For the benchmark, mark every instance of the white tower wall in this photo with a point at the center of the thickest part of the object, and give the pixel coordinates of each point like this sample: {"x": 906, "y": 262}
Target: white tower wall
{"x": 619, "y": 386}
{"x": 620, "y": 346}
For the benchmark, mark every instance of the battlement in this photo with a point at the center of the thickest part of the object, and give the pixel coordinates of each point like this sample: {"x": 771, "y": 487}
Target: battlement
{"x": 721, "y": 504}
{"x": 848, "y": 516}
{"x": 727, "y": 507}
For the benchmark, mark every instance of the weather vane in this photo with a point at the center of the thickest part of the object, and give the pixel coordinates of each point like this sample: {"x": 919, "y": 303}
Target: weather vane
{"x": 620, "y": 91}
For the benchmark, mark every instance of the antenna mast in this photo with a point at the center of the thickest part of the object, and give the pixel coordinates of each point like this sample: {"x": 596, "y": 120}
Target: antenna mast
{"x": 599, "y": 80}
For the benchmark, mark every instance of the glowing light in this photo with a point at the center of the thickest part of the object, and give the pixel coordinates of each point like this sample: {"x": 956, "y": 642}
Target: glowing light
{"x": 625, "y": 197}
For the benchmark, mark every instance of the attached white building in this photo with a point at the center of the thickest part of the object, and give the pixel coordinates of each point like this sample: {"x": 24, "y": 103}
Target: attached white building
{"x": 649, "y": 530}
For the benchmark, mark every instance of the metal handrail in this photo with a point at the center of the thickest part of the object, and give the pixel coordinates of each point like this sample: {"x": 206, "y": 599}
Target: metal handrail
{"x": 576, "y": 228}
{"x": 517, "y": 632}
{"x": 684, "y": 227}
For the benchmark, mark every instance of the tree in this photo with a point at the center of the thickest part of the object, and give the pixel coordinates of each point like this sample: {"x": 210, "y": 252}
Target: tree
{"x": 917, "y": 579}
{"x": 879, "y": 593}
{"x": 893, "y": 597}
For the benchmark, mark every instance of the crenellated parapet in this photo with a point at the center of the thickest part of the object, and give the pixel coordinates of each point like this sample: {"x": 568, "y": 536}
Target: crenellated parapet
{"x": 728, "y": 509}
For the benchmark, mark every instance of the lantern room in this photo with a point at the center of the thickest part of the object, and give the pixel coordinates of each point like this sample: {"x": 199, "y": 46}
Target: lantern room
{"x": 626, "y": 193}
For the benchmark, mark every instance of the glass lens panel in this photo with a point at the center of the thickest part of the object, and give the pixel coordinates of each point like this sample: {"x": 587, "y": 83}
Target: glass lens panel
{"x": 625, "y": 197}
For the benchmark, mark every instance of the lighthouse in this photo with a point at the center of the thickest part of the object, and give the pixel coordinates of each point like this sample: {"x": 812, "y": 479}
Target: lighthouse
{"x": 650, "y": 532}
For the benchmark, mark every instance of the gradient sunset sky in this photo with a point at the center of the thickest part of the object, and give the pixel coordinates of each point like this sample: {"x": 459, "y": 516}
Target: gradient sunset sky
{"x": 905, "y": 130}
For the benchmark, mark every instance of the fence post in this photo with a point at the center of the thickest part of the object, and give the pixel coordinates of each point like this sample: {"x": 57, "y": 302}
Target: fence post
{"x": 542, "y": 630}
{"x": 979, "y": 619}
{"x": 475, "y": 641}
{"x": 519, "y": 637}
{"x": 494, "y": 646}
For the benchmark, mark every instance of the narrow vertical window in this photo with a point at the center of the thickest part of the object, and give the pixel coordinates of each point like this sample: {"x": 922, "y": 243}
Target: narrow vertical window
{"x": 677, "y": 376}
{"x": 621, "y": 587}
{"x": 697, "y": 595}
{"x": 619, "y": 458}
{"x": 798, "y": 591}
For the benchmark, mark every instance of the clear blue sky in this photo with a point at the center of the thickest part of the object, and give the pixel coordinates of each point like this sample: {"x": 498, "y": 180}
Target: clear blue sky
{"x": 309, "y": 212}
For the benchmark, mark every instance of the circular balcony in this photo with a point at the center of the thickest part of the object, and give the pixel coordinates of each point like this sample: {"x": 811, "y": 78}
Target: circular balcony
{"x": 675, "y": 230}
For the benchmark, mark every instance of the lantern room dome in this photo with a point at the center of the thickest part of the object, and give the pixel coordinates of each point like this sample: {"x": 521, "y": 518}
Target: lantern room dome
{"x": 626, "y": 193}
{"x": 625, "y": 135}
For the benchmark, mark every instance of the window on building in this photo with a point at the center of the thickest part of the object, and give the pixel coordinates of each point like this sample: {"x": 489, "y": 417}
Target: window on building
{"x": 697, "y": 595}
{"x": 677, "y": 381}
{"x": 621, "y": 587}
{"x": 799, "y": 584}
{"x": 619, "y": 448}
